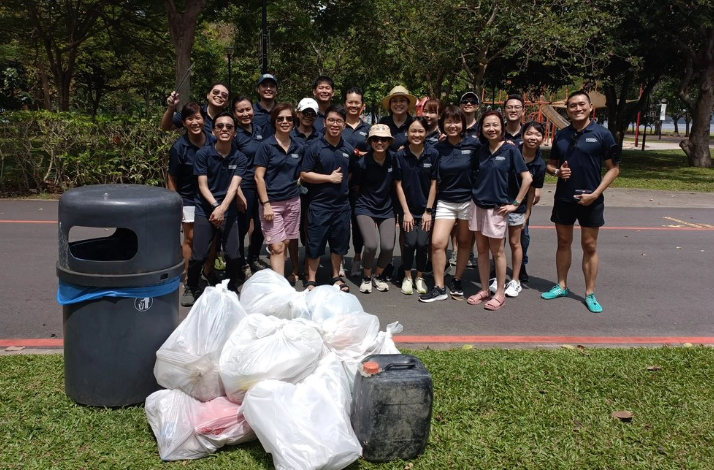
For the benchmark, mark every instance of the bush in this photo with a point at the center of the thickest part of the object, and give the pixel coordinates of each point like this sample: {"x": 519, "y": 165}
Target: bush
{"x": 52, "y": 152}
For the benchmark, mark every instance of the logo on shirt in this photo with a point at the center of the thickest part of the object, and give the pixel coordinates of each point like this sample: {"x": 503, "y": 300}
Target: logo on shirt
{"x": 294, "y": 155}
{"x": 466, "y": 152}
{"x": 427, "y": 165}
{"x": 362, "y": 133}
{"x": 590, "y": 139}
{"x": 232, "y": 167}
{"x": 346, "y": 155}
{"x": 499, "y": 158}
{"x": 389, "y": 170}
{"x": 258, "y": 137}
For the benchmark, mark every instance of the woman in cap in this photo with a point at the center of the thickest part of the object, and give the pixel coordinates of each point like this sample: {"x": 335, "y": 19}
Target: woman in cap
{"x": 496, "y": 194}
{"x": 469, "y": 105}
{"x": 304, "y": 132}
{"x": 399, "y": 102}
{"x": 277, "y": 168}
{"x": 373, "y": 175}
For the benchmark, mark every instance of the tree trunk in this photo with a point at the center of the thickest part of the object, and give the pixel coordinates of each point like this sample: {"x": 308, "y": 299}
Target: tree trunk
{"x": 697, "y": 146}
{"x": 676, "y": 124}
{"x": 182, "y": 27}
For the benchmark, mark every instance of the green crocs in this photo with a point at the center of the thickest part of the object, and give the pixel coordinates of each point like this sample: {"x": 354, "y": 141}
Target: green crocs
{"x": 592, "y": 303}
{"x": 555, "y": 292}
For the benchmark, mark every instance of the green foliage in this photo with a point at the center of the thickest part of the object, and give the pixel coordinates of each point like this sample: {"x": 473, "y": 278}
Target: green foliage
{"x": 44, "y": 151}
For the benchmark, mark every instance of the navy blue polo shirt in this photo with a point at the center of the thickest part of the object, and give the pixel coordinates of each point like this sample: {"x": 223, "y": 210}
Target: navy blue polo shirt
{"x": 416, "y": 175}
{"x": 516, "y": 138}
{"x": 282, "y": 169}
{"x": 302, "y": 139}
{"x": 357, "y": 137}
{"x": 376, "y": 186}
{"x": 261, "y": 117}
{"x": 536, "y": 168}
{"x": 207, "y": 120}
{"x": 454, "y": 170}
{"x": 181, "y": 158}
{"x": 321, "y": 157}
{"x": 248, "y": 143}
{"x": 399, "y": 133}
{"x": 473, "y": 131}
{"x": 585, "y": 152}
{"x": 494, "y": 185}
{"x": 220, "y": 171}
{"x": 320, "y": 121}
{"x": 433, "y": 138}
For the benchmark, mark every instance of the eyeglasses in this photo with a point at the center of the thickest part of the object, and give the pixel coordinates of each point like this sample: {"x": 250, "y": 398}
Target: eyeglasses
{"x": 221, "y": 126}
{"x": 335, "y": 121}
{"x": 471, "y": 102}
{"x": 514, "y": 108}
{"x": 284, "y": 118}
{"x": 380, "y": 139}
{"x": 219, "y": 92}
{"x": 309, "y": 114}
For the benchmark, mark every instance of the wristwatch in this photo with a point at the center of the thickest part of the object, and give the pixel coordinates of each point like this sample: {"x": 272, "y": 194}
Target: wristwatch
{"x": 429, "y": 210}
{"x": 516, "y": 202}
{"x": 262, "y": 203}
{"x": 215, "y": 204}
{"x": 556, "y": 172}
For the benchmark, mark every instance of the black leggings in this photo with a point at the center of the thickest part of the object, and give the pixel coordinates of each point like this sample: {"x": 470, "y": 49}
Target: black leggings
{"x": 417, "y": 241}
{"x": 203, "y": 234}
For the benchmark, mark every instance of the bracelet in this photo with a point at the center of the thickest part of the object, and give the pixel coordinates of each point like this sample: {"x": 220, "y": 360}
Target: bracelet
{"x": 215, "y": 204}
{"x": 262, "y": 203}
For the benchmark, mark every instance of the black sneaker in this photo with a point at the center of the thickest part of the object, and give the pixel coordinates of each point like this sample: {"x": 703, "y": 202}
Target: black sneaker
{"x": 436, "y": 293}
{"x": 523, "y": 276}
{"x": 187, "y": 299}
{"x": 455, "y": 288}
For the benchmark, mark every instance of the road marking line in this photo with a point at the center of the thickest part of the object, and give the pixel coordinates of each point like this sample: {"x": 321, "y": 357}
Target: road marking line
{"x": 689, "y": 224}
{"x": 28, "y": 222}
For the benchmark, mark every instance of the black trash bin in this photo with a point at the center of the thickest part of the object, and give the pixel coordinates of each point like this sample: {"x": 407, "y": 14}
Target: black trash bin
{"x": 120, "y": 293}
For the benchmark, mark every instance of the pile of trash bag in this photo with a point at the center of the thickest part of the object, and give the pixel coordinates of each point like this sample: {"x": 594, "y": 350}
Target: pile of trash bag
{"x": 276, "y": 364}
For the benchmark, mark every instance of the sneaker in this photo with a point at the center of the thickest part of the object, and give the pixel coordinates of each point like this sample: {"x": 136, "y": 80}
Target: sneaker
{"x": 493, "y": 286}
{"x": 219, "y": 263}
{"x": 421, "y": 285}
{"x": 513, "y": 288}
{"x": 436, "y": 293}
{"x": 246, "y": 272}
{"x": 455, "y": 288}
{"x": 366, "y": 286}
{"x": 380, "y": 283}
{"x": 555, "y": 292}
{"x": 523, "y": 275}
{"x": 187, "y": 298}
{"x": 256, "y": 266}
{"x": 356, "y": 269}
{"x": 407, "y": 286}
{"x": 267, "y": 248}
{"x": 592, "y": 303}
{"x": 452, "y": 259}
{"x": 342, "y": 268}
{"x": 471, "y": 263}
{"x": 211, "y": 279}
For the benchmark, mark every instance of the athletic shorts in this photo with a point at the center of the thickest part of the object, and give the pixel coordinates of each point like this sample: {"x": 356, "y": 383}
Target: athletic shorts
{"x": 453, "y": 210}
{"x": 566, "y": 213}
{"x": 515, "y": 219}
{"x": 189, "y": 214}
{"x": 286, "y": 221}
{"x": 489, "y": 222}
{"x": 328, "y": 226}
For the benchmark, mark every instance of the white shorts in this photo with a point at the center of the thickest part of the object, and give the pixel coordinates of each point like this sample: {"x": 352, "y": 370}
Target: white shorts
{"x": 189, "y": 213}
{"x": 453, "y": 210}
{"x": 488, "y": 221}
{"x": 514, "y": 219}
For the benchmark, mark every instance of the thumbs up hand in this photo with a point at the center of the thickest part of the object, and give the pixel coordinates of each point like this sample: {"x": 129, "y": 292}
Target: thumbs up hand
{"x": 565, "y": 171}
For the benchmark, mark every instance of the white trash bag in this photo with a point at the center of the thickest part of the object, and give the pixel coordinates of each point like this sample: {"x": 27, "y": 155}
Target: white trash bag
{"x": 325, "y": 302}
{"x": 269, "y": 293}
{"x": 186, "y": 428}
{"x": 188, "y": 359}
{"x": 263, "y": 348}
{"x": 305, "y": 426}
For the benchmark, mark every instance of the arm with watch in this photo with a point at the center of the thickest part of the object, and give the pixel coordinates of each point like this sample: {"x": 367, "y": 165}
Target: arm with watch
{"x": 428, "y": 217}
{"x": 263, "y": 193}
{"x": 526, "y": 180}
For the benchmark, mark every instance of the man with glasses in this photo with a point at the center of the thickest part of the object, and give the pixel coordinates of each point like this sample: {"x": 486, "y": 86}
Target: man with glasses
{"x": 216, "y": 101}
{"x": 323, "y": 90}
{"x": 576, "y": 158}
{"x": 515, "y": 109}
{"x": 469, "y": 105}
{"x": 267, "y": 93}
{"x": 326, "y": 167}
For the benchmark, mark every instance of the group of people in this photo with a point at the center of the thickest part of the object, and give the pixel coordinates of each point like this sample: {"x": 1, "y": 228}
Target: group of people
{"x": 319, "y": 173}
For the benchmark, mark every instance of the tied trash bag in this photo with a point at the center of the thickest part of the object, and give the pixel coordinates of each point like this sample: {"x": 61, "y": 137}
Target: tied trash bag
{"x": 264, "y": 348}
{"x": 186, "y": 428}
{"x": 188, "y": 359}
{"x": 325, "y": 302}
{"x": 305, "y": 426}
{"x": 269, "y": 293}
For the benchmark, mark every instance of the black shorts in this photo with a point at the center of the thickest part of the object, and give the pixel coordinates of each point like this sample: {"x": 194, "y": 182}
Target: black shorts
{"x": 327, "y": 226}
{"x": 566, "y": 213}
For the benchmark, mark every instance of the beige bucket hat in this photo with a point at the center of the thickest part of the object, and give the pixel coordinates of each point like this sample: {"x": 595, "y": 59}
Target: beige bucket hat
{"x": 399, "y": 91}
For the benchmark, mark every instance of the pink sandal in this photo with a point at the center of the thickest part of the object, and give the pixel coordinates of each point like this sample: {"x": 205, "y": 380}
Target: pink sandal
{"x": 494, "y": 304}
{"x": 479, "y": 297}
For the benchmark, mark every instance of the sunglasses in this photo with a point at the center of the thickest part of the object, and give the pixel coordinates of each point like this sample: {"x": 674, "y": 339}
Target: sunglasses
{"x": 380, "y": 139}
{"x": 309, "y": 114}
{"x": 284, "y": 119}
{"x": 471, "y": 102}
{"x": 219, "y": 93}
{"x": 221, "y": 126}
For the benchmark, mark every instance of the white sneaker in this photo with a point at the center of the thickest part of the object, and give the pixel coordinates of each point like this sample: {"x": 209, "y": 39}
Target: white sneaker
{"x": 421, "y": 286}
{"x": 380, "y": 284}
{"x": 513, "y": 288}
{"x": 407, "y": 286}
{"x": 356, "y": 269}
{"x": 493, "y": 287}
{"x": 342, "y": 268}
{"x": 452, "y": 259}
{"x": 366, "y": 286}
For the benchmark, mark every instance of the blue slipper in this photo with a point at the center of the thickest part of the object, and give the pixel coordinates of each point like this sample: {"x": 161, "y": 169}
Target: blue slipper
{"x": 592, "y": 303}
{"x": 555, "y": 292}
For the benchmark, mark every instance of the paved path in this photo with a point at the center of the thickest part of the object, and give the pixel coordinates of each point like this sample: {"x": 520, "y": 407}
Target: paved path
{"x": 656, "y": 255}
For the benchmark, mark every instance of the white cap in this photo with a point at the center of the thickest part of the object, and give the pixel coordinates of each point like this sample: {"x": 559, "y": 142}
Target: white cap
{"x": 307, "y": 103}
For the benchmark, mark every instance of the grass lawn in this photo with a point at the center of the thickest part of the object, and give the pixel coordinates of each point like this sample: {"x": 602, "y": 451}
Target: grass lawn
{"x": 494, "y": 408}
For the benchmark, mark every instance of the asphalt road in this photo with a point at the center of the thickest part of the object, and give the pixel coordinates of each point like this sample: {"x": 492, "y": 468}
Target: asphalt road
{"x": 655, "y": 252}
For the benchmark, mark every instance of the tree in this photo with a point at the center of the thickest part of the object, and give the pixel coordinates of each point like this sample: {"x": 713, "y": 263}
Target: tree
{"x": 182, "y": 28}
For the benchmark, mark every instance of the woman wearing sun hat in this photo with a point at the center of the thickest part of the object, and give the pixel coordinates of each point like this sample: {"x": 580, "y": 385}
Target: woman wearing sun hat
{"x": 399, "y": 102}
{"x": 373, "y": 176}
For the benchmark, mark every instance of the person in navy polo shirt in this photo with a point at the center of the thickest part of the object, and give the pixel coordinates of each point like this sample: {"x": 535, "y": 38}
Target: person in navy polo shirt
{"x": 502, "y": 183}
{"x": 431, "y": 112}
{"x": 373, "y": 177}
{"x": 576, "y": 159}
{"x": 399, "y": 102}
{"x": 323, "y": 90}
{"x": 355, "y": 134}
{"x": 267, "y": 93}
{"x": 415, "y": 175}
{"x": 182, "y": 180}
{"x": 515, "y": 109}
{"x": 219, "y": 168}
{"x": 249, "y": 136}
{"x": 469, "y": 105}
{"x": 276, "y": 173}
{"x": 457, "y": 159}
{"x": 216, "y": 101}
{"x": 304, "y": 132}
{"x": 326, "y": 167}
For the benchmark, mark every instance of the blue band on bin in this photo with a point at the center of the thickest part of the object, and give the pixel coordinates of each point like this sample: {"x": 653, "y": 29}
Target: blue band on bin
{"x": 71, "y": 293}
